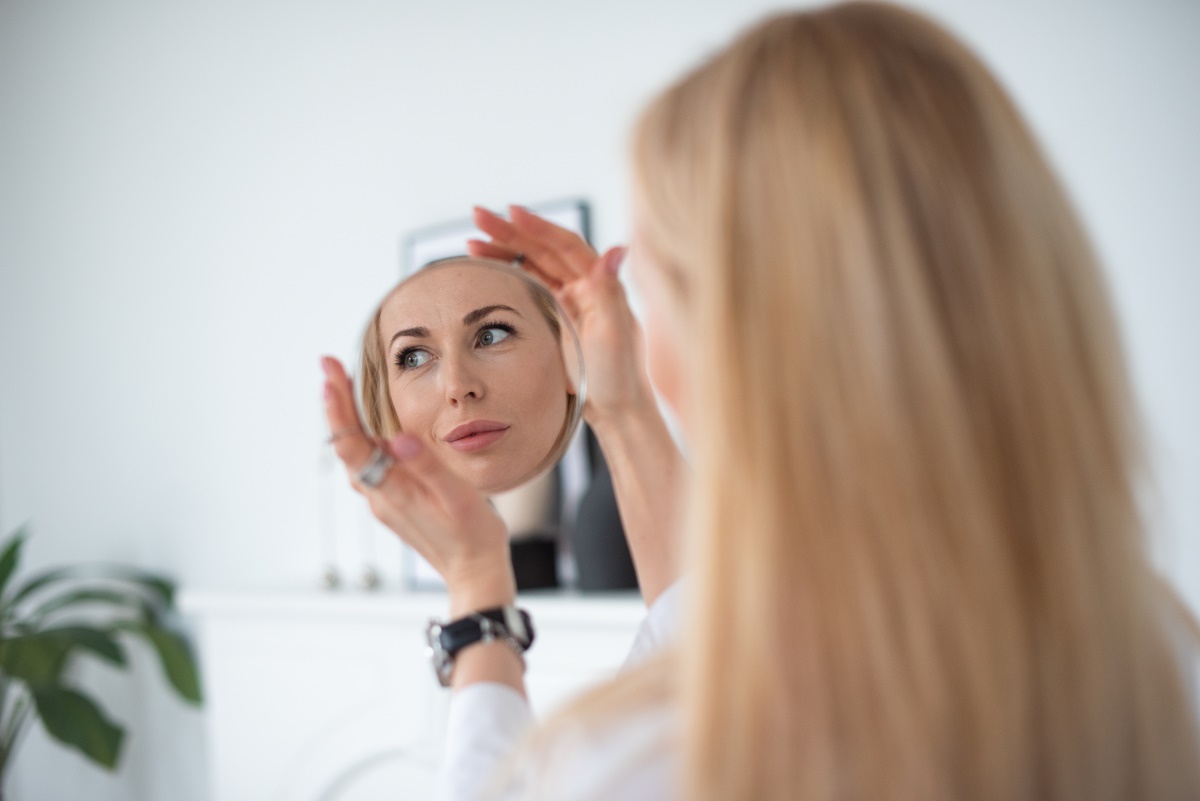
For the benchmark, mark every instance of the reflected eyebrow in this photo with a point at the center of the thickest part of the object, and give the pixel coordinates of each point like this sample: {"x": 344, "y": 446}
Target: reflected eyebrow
{"x": 479, "y": 314}
{"x": 408, "y": 332}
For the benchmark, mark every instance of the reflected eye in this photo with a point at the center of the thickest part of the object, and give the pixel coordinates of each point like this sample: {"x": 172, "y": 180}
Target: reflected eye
{"x": 409, "y": 358}
{"x": 494, "y": 335}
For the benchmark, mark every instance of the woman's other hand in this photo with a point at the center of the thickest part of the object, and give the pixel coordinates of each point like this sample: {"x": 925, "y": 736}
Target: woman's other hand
{"x": 645, "y": 464}
{"x": 587, "y": 287}
{"x": 439, "y": 514}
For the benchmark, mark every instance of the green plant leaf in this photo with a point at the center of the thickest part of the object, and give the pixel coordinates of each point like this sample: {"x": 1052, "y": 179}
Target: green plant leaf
{"x": 177, "y": 661}
{"x": 10, "y": 557}
{"x": 161, "y": 589}
{"x": 35, "y": 659}
{"x": 97, "y": 640}
{"x": 75, "y": 720}
{"x": 38, "y": 659}
{"x": 16, "y": 723}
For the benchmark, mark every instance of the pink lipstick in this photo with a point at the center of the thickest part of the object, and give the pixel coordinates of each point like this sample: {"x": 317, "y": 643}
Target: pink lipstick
{"x": 475, "y": 435}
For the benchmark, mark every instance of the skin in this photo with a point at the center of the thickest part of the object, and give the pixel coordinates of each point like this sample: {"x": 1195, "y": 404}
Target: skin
{"x": 456, "y": 372}
{"x": 664, "y": 353}
{"x": 647, "y": 469}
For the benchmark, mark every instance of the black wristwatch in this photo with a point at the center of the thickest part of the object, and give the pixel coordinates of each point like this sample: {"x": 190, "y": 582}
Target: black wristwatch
{"x": 506, "y": 623}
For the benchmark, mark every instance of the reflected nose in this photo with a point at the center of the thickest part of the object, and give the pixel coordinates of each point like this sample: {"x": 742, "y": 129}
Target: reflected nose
{"x": 462, "y": 382}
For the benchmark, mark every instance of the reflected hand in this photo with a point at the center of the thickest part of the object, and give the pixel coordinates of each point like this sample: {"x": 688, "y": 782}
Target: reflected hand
{"x": 587, "y": 287}
{"x": 439, "y": 514}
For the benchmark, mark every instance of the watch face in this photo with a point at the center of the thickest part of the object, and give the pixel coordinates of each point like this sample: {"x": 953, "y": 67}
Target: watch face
{"x": 441, "y": 659}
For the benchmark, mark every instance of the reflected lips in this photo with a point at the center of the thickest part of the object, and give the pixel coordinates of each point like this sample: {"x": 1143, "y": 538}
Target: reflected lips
{"x": 475, "y": 435}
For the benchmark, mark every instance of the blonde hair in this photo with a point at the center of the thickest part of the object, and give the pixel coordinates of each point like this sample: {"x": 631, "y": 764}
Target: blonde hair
{"x": 915, "y": 558}
{"x": 379, "y": 416}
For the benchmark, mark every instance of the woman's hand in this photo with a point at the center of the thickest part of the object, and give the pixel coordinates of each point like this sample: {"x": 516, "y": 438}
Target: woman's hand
{"x": 646, "y": 467}
{"x": 439, "y": 514}
{"x": 587, "y": 287}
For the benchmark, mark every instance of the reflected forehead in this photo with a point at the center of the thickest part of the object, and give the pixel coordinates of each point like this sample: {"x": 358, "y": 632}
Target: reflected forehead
{"x": 439, "y": 298}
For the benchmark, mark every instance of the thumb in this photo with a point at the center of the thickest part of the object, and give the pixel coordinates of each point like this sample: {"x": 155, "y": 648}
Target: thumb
{"x": 608, "y": 265}
{"x": 421, "y": 463}
{"x": 406, "y": 447}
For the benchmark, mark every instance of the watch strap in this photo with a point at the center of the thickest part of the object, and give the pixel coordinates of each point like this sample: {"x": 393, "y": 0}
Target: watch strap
{"x": 488, "y": 624}
{"x": 506, "y": 623}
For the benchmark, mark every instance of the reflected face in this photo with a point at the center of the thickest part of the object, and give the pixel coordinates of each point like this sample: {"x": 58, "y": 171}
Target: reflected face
{"x": 475, "y": 371}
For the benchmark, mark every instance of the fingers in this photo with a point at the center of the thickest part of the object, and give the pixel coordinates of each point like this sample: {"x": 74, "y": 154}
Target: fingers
{"x": 423, "y": 501}
{"x": 493, "y": 224}
{"x": 413, "y": 462}
{"x": 602, "y": 289}
{"x": 352, "y": 445}
{"x": 540, "y": 252}
{"x": 571, "y": 247}
{"x": 418, "y": 461}
{"x": 610, "y": 263}
{"x": 490, "y": 250}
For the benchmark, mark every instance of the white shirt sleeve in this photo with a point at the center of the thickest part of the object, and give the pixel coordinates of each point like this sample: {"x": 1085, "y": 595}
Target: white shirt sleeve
{"x": 488, "y": 719}
{"x": 659, "y": 629}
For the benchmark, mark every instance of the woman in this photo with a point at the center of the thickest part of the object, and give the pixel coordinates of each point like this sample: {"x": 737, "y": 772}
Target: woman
{"x": 912, "y": 544}
{"x": 466, "y": 355}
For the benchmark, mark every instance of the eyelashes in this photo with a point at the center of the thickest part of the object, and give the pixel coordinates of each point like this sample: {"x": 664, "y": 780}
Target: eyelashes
{"x": 405, "y": 360}
{"x": 402, "y": 357}
{"x": 497, "y": 324}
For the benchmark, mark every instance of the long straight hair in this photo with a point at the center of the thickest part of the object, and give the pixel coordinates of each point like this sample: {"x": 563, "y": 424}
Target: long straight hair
{"x": 914, "y": 551}
{"x": 914, "y": 541}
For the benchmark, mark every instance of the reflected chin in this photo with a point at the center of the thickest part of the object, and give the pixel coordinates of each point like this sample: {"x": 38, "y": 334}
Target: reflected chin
{"x": 488, "y": 470}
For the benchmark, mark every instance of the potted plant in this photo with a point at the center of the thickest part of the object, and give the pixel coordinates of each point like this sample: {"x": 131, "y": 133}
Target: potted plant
{"x": 51, "y": 618}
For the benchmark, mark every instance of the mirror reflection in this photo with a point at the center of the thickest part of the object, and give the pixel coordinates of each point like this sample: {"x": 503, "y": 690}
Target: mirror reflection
{"x": 479, "y": 361}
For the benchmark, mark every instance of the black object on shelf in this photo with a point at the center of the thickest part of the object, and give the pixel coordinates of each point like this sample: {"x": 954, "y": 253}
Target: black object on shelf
{"x": 535, "y": 563}
{"x": 602, "y": 557}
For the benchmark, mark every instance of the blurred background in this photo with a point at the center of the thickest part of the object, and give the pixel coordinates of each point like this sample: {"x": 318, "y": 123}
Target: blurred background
{"x": 199, "y": 199}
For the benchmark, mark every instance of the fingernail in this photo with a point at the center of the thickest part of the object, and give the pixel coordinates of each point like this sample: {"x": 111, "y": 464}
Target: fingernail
{"x": 327, "y": 365}
{"x": 328, "y": 391}
{"x": 615, "y": 257}
{"x": 406, "y": 446}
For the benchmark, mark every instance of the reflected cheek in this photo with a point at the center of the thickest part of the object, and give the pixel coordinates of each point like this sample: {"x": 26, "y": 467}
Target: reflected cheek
{"x": 519, "y": 392}
{"x": 529, "y": 388}
{"x": 415, "y": 412}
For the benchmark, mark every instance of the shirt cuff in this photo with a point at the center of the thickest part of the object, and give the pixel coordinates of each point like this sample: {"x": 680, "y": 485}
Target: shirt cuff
{"x": 486, "y": 721}
{"x": 660, "y": 627}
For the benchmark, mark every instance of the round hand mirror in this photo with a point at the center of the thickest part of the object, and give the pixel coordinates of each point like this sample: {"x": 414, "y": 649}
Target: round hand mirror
{"x": 479, "y": 362}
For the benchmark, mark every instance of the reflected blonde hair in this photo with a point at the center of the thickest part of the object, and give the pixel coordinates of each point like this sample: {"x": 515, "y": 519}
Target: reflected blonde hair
{"x": 915, "y": 557}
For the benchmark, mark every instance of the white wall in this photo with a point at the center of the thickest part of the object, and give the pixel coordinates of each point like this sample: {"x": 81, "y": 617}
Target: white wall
{"x": 198, "y": 199}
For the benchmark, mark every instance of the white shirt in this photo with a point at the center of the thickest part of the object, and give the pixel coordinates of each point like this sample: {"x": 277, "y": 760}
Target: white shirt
{"x": 488, "y": 719}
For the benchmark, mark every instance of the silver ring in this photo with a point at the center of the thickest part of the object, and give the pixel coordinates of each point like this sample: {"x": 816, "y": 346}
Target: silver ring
{"x": 518, "y": 260}
{"x": 375, "y": 470}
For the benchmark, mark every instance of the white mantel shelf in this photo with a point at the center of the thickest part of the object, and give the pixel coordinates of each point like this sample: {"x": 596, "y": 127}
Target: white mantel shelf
{"x": 317, "y": 695}
{"x": 617, "y": 608}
